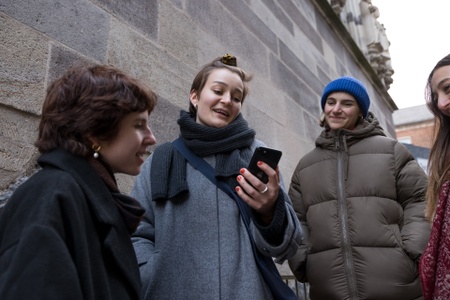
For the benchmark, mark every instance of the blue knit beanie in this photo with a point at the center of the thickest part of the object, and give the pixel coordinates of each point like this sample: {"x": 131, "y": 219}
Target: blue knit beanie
{"x": 351, "y": 86}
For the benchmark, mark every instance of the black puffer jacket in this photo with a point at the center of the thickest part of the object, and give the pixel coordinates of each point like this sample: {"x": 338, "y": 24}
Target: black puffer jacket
{"x": 360, "y": 198}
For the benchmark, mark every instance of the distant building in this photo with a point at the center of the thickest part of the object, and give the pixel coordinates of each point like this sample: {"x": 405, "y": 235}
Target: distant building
{"x": 421, "y": 154}
{"x": 414, "y": 125}
{"x": 414, "y": 128}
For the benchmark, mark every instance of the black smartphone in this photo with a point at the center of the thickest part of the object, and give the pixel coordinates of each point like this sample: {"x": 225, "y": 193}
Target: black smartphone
{"x": 267, "y": 155}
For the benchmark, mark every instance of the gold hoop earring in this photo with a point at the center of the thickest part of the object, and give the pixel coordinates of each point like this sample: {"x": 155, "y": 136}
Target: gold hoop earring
{"x": 96, "y": 148}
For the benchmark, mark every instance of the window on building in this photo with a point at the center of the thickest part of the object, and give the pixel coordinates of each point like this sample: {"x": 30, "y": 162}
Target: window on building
{"x": 405, "y": 140}
{"x": 423, "y": 163}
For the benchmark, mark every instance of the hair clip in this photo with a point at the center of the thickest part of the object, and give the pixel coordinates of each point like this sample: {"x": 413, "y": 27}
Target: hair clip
{"x": 230, "y": 60}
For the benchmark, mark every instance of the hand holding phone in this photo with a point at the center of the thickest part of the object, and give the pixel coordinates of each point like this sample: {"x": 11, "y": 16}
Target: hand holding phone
{"x": 267, "y": 155}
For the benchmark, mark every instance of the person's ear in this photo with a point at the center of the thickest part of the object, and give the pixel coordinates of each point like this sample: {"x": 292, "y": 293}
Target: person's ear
{"x": 193, "y": 97}
{"x": 95, "y": 146}
{"x": 93, "y": 140}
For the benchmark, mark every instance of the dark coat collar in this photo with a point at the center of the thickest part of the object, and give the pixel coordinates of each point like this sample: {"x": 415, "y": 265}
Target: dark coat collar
{"x": 102, "y": 207}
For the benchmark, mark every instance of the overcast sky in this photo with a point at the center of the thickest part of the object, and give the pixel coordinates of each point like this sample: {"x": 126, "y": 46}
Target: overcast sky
{"x": 419, "y": 32}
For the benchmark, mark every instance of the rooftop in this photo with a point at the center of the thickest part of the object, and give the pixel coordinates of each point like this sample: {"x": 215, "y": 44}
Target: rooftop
{"x": 413, "y": 114}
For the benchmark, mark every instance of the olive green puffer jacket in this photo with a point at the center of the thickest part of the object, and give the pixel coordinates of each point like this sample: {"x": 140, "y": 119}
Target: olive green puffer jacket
{"x": 359, "y": 196}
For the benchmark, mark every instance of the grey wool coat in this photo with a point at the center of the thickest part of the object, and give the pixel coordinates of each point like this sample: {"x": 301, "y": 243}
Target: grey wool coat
{"x": 360, "y": 198}
{"x": 196, "y": 246}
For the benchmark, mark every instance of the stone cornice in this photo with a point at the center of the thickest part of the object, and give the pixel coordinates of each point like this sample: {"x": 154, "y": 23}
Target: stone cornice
{"x": 324, "y": 7}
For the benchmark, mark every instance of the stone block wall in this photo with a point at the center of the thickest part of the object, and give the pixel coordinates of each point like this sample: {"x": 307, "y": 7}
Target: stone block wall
{"x": 292, "y": 48}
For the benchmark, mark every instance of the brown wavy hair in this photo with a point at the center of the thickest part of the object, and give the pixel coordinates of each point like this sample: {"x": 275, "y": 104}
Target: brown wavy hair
{"x": 218, "y": 63}
{"x": 89, "y": 101}
{"x": 439, "y": 160}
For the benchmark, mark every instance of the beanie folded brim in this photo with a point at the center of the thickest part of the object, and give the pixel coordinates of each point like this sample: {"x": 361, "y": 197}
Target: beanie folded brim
{"x": 351, "y": 86}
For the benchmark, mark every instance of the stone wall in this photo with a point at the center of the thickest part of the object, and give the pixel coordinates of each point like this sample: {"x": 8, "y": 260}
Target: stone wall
{"x": 293, "y": 49}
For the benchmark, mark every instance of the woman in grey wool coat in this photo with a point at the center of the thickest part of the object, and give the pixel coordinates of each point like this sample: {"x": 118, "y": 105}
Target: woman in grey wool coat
{"x": 360, "y": 198}
{"x": 192, "y": 243}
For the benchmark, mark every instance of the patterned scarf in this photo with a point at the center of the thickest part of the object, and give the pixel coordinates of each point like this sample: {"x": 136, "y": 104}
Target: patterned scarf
{"x": 231, "y": 145}
{"x": 435, "y": 261}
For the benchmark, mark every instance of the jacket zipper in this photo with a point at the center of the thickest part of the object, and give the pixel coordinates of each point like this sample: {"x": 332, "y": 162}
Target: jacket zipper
{"x": 346, "y": 247}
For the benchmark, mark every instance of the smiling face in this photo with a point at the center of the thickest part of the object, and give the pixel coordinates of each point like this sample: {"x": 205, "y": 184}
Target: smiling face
{"x": 220, "y": 100}
{"x": 341, "y": 111}
{"x": 125, "y": 152}
{"x": 440, "y": 87}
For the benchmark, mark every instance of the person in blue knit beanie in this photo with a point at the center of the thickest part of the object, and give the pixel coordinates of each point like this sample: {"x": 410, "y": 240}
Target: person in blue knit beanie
{"x": 351, "y": 86}
{"x": 359, "y": 196}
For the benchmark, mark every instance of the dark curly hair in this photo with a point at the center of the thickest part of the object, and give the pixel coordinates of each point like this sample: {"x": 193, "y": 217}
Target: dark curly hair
{"x": 89, "y": 101}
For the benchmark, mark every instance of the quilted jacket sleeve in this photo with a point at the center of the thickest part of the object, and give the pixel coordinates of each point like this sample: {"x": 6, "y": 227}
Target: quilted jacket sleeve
{"x": 411, "y": 188}
{"x": 298, "y": 262}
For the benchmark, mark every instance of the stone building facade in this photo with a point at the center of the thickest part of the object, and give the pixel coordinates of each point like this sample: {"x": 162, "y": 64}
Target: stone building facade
{"x": 292, "y": 48}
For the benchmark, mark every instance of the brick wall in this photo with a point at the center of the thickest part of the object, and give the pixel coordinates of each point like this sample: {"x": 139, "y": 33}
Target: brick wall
{"x": 420, "y": 134}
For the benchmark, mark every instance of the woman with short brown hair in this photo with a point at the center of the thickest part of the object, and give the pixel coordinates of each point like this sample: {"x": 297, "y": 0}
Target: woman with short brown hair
{"x": 65, "y": 232}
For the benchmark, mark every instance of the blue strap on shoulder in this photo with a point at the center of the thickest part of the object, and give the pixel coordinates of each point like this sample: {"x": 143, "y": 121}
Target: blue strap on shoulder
{"x": 279, "y": 289}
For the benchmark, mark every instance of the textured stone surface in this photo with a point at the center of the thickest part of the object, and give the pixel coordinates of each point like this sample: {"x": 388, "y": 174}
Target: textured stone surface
{"x": 18, "y": 126}
{"x": 180, "y": 34}
{"x": 178, "y": 3}
{"x": 15, "y": 159}
{"x": 279, "y": 14}
{"x": 300, "y": 69}
{"x": 77, "y": 23}
{"x": 61, "y": 59}
{"x": 18, "y": 132}
{"x": 298, "y": 17}
{"x": 131, "y": 52}
{"x": 23, "y": 59}
{"x": 288, "y": 46}
{"x": 288, "y": 82}
{"x": 293, "y": 149}
{"x": 140, "y": 14}
{"x": 163, "y": 121}
{"x": 221, "y": 26}
{"x": 247, "y": 17}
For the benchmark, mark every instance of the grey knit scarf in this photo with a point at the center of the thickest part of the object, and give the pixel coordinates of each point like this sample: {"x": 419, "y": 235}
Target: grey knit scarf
{"x": 231, "y": 145}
